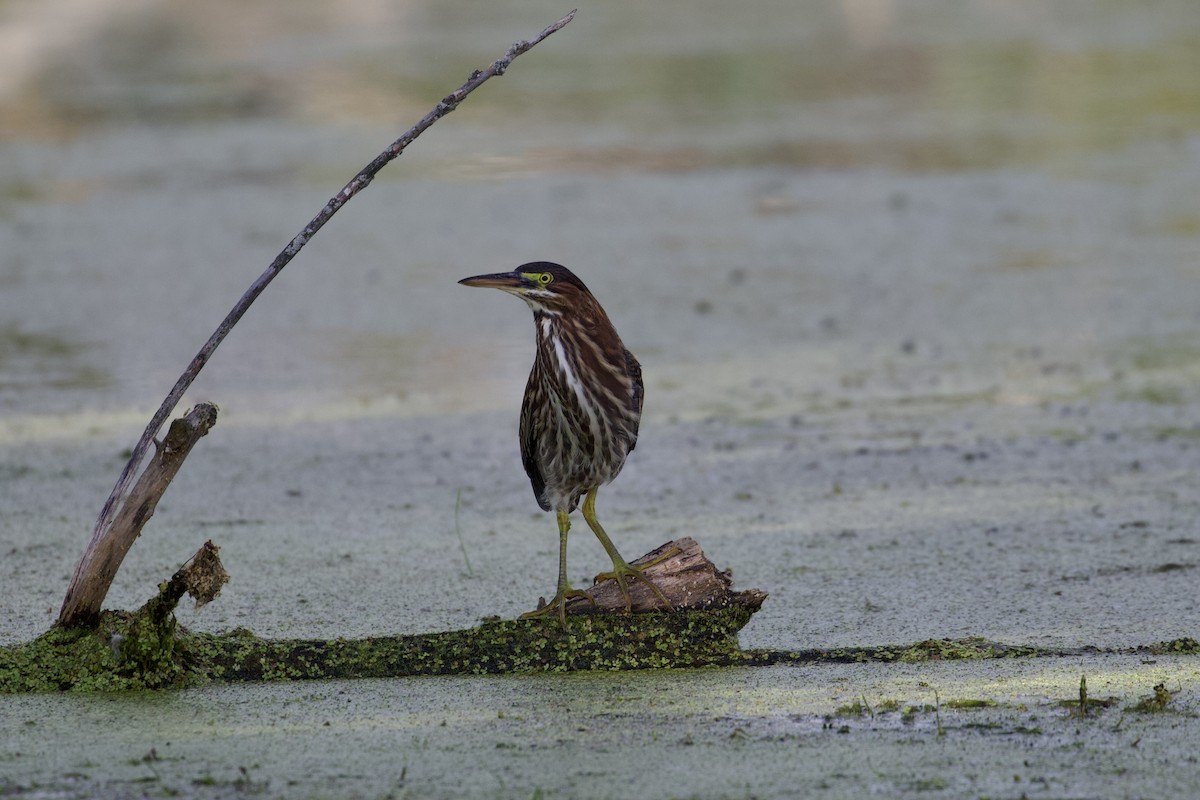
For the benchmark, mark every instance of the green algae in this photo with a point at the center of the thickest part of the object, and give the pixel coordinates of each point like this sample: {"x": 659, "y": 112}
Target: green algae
{"x": 957, "y": 649}
{"x": 969, "y": 704}
{"x": 1169, "y": 354}
{"x": 146, "y": 649}
{"x": 858, "y": 708}
{"x": 149, "y": 650}
{"x": 595, "y": 642}
{"x": 123, "y": 652}
{"x": 1185, "y": 646}
{"x": 1164, "y": 432}
{"x": 974, "y": 647}
{"x": 1158, "y": 702}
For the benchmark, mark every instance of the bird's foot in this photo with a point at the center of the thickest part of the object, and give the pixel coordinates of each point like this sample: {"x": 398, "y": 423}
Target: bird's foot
{"x": 622, "y": 570}
{"x": 563, "y": 596}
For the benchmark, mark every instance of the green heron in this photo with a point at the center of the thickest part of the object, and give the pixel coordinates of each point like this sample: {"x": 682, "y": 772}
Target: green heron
{"x": 580, "y": 415}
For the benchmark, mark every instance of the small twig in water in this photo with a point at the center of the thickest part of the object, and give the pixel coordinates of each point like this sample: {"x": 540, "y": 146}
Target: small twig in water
{"x": 99, "y": 563}
{"x": 461, "y": 544}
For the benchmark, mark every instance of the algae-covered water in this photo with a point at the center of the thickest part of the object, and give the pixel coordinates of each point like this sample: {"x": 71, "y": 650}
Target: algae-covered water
{"x": 914, "y": 286}
{"x": 841, "y": 731}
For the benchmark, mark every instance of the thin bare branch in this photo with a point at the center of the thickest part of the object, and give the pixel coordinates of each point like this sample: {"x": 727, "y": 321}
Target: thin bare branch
{"x": 359, "y": 182}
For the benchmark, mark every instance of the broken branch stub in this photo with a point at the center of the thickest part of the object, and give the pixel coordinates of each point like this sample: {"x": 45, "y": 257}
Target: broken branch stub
{"x": 107, "y": 549}
{"x": 682, "y": 573}
{"x": 82, "y": 604}
{"x": 202, "y": 577}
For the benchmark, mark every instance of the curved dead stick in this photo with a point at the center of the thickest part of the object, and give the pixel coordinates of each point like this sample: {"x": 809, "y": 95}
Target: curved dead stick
{"x": 72, "y": 613}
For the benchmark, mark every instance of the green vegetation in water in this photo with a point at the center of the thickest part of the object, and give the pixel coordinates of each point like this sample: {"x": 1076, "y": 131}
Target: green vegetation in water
{"x": 966, "y": 704}
{"x": 1185, "y": 646}
{"x": 148, "y": 650}
{"x": 970, "y": 648}
{"x": 959, "y": 649}
{"x": 123, "y": 652}
{"x": 858, "y": 708}
{"x": 909, "y": 714}
{"x": 861, "y": 708}
{"x": 1084, "y": 704}
{"x": 1172, "y": 354}
{"x": 1157, "y": 395}
{"x": 1158, "y": 702}
{"x": 1065, "y": 435}
{"x": 599, "y": 641}
{"x": 1164, "y": 432}
{"x": 45, "y": 359}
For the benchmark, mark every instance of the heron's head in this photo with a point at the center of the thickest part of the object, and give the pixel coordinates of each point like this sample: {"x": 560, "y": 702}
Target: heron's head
{"x": 546, "y": 287}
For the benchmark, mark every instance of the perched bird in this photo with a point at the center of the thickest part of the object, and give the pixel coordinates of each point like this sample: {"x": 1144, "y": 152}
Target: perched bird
{"x": 580, "y": 415}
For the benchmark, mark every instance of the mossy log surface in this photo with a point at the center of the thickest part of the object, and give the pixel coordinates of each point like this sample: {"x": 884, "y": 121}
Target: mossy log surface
{"x": 129, "y": 651}
{"x": 598, "y": 642}
{"x": 123, "y": 653}
{"x": 148, "y": 649}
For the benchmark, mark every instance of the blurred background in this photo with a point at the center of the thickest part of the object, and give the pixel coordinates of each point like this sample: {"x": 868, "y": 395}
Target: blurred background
{"x": 157, "y": 155}
{"x": 953, "y": 232}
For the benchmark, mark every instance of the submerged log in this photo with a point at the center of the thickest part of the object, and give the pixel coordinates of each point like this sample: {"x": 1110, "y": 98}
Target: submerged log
{"x": 148, "y": 649}
{"x": 701, "y": 630}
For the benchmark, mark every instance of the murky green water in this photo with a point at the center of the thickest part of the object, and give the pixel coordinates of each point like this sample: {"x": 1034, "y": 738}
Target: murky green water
{"x": 914, "y": 285}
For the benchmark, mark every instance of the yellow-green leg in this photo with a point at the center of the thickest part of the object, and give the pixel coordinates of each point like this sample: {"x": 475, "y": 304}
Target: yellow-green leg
{"x": 565, "y": 591}
{"x": 621, "y": 568}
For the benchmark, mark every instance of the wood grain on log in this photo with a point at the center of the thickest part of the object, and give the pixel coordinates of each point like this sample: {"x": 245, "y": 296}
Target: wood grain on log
{"x": 107, "y": 548}
{"x": 681, "y": 572}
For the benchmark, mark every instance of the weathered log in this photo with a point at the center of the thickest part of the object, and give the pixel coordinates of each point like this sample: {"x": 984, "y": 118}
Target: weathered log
{"x": 701, "y": 630}
{"x": 681, "y": 572}
{"x": 202, "y": 577}
{"x": 147, "y": 648}
{"x": 108, "y": 546}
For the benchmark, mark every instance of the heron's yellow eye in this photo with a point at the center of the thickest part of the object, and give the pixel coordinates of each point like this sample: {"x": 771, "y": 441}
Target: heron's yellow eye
{"x": 545, "y": 278}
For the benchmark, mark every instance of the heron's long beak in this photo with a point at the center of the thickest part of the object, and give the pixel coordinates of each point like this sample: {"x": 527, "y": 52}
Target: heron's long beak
{"x": 498, "y": 280}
